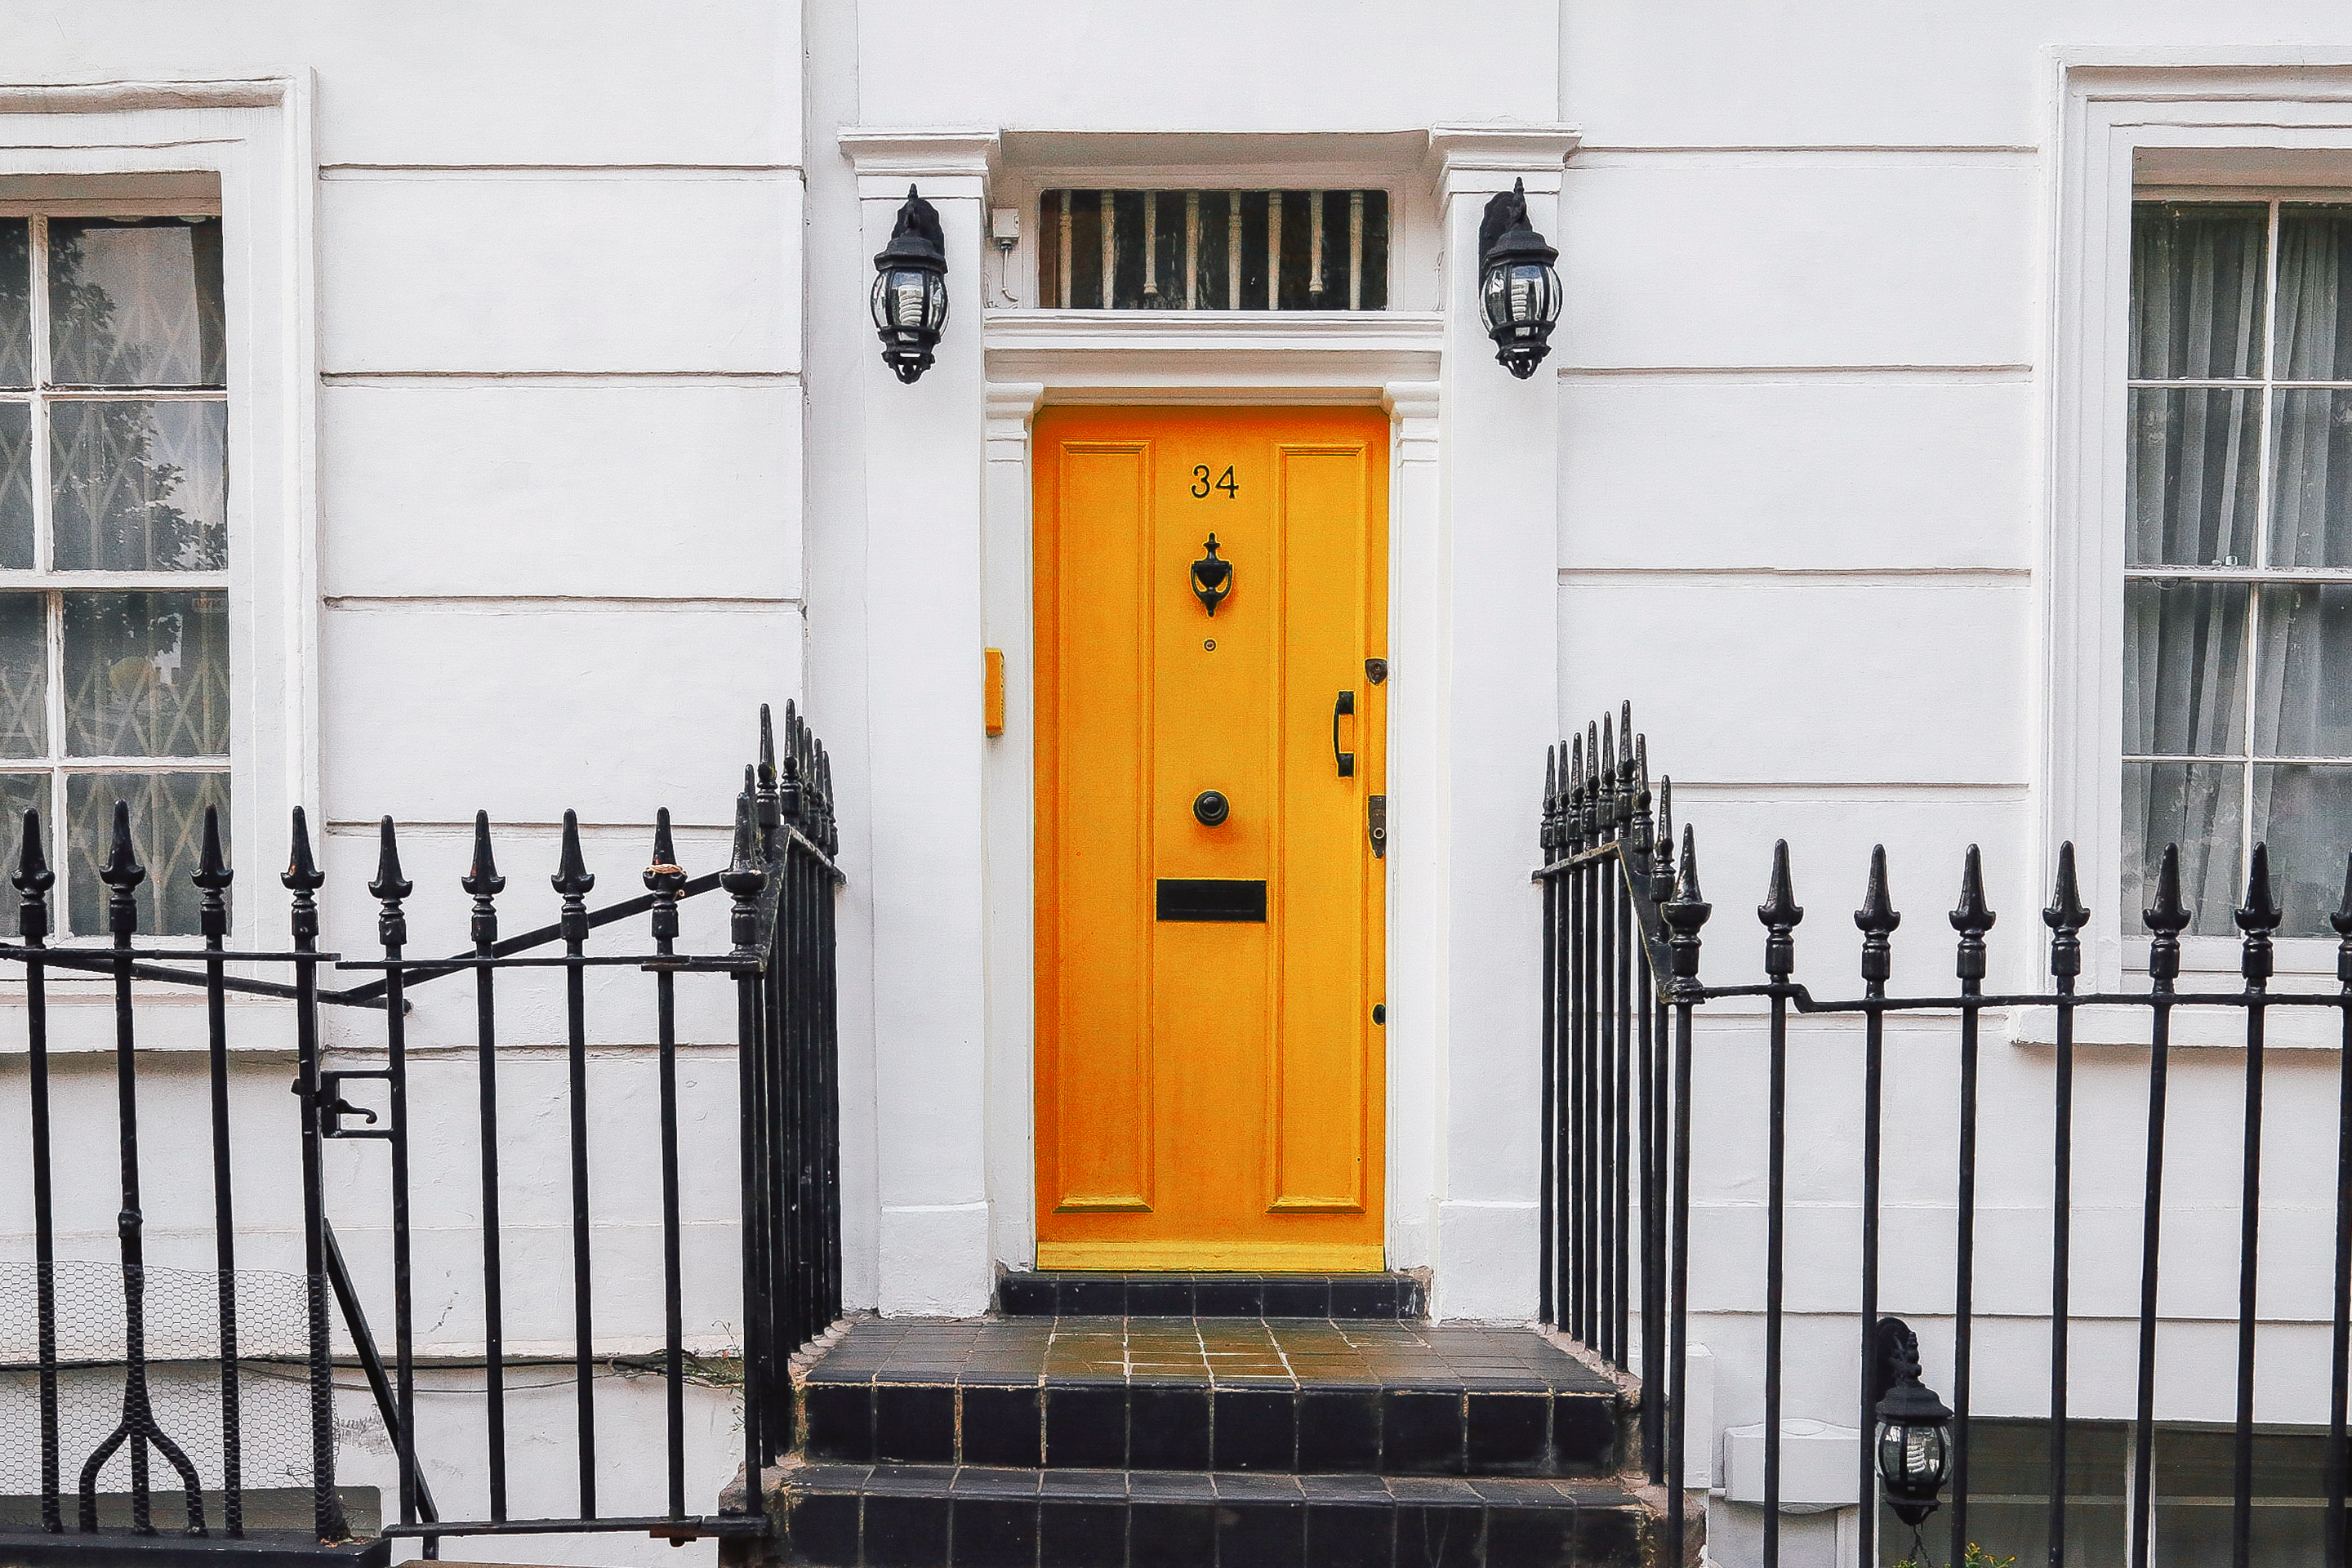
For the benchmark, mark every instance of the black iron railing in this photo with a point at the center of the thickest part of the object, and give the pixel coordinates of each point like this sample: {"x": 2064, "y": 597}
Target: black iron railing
{"x": 1622, "y": 929}
{"x": 780, "y": 881}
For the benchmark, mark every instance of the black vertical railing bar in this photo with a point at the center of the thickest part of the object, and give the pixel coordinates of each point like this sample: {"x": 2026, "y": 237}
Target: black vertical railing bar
{"x": 33, "y": 879}
{"x": 2065, "y": 917}
{"x": 2339, "y": 1391}
{"x": 483, "y": 884}
{"x": 346, "y": 1296}
{"x": 2257, "y": 919}
{"x": 123, "y": 873}
{"x": 1548, "y": 837}
{"x": 1972, "y": 918}
{"x": 303, "y": 879}
{"x": 663, "y": 879}
{"x": 2164, "y": 919}
{"x": 1572, "y": 979}
{"x": 1877, "y": 919}
{"x": 1779, "y": 914}
{"x": 212, "y": 877}
{"x": 1589, "y": 1143}
{"x": 1685, "y": 915}
{"x": 572, "y": 883}
{"x": 1604, "y": 1018}
{"x": 1658, "y": 1083}
{"x": 744, "y": 879}
{"x": 1620, "y": 900}
{"x": 828, "y": 839}
{"x": 390, "y": 888}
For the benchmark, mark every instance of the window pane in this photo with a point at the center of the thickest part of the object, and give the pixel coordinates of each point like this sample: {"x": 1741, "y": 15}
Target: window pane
{"x": 16, "y": 486}
{"x": 146, "y": 674}
{"x": 24, "y": 675}
{"x": 2197, "y": 290}
{"x": 20, "y": 793}
{"x": 2189, "y": 487}
{"x": 2305, "y": 815}
{"x": 167, "y": 835}
{"x": 2304, "y": 668}
{"x": 2311, "y": 495}
{"x": 2194, "y": 1483}
{"x": 2315, "y": 282}
{"x": 2199, "y": 806}
{"x": 135, "y": 302}
{"x": 16, "y": 302}
{"x": 139, "y": 487}
{"x": 2184, "y": 651}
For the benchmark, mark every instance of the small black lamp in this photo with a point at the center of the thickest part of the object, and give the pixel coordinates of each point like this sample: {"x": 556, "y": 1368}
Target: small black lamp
{"x": 1915, "y": 1429}
{"x": 910, "y": 289}
{"x": 1517, "y": 290}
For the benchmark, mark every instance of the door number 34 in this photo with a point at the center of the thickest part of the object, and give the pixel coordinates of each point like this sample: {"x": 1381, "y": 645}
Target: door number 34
{"x": 1203, "y": 484}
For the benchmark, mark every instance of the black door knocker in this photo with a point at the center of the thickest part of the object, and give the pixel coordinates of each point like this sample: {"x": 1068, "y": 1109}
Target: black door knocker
{"x": 1212, "y": 579}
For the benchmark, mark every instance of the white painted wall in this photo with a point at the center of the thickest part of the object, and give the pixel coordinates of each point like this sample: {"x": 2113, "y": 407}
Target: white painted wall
{"x": 604, "y": 456}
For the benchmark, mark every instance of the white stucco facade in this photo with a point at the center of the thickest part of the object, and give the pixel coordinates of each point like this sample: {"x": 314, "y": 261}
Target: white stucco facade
{"x": 560, "y": 442}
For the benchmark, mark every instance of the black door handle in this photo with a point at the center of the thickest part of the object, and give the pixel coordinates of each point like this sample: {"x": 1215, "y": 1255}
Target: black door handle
{"x": 1346, "y": 759}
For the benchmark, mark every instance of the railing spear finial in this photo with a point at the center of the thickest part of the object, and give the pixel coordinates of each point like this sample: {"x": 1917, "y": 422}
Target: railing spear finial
{"x": 390, "y": 886}
{"x": 34, "y": 879}
{"x": 573, "y": 880}
{"x": 1780, "y": 912}
{"x": 1662, "y": 845}
{"x": 2258, "y": 918}
{"x": 2165, "y": 919}
{"x": 1972, "y": 917}
{"x": 1686, "y": 911}
{"x": 745, "y": 876}
{"x": 664, "y": 878}
{"x": 482, "y": 880}
{"x": 2065, "y": 917}
{"x": 122, "y": 873}
{"x": 1877, "y": 919}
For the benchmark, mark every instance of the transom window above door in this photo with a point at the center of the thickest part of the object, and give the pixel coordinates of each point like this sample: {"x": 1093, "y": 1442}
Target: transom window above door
{"x": 114, "y": 622}
{"x": 2238, "y": 557}
{"x": 1213, "y": 250}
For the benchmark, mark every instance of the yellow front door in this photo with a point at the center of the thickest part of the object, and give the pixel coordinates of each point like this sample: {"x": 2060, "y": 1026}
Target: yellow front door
{"x": 1210, "y": 761}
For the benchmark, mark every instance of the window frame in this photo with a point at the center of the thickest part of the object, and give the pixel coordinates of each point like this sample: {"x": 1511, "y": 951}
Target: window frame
{"x": 2136, "y": 125}
{"x": 242, "y": 145}
{"x": 52, "y": 585}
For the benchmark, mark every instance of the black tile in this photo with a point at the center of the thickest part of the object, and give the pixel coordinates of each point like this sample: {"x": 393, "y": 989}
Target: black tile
{"x": 1081, "y": 1534}
{"x": 1170, "y": 1486}
{"x": 985, "y": 1480}
{"x": 1026, "y": 1296}
{"x": 906, "y": 1532}
{"x": 824, "y": 1527}
{"x": 914, "y": 1424}
{"x": 1257, "y": 1429}
{"x": 1087, "y": 1485}
{"x": 1338, "y": 1430}
{"x": 1421, "y": 1433}
{"x": 1086, "y": 1425}
{"x": 1100, "y": 1298}
{"x": 995, "y": 1531}
{"x": 1168, "y": 1427}
{"x": 1508, "y": 1433}
{"x": 1160, "y": 1298}
{"x": 1171, "y": 1534}
{"x": 1438, "y": 1537}
{"x": 1001, "y": 1427}
{"x": 1351, "y": 1536}
{"x": 1607, "y": 1535}
{"x": 1370, "y": 1298}
{"x": 1412, "y": 1302}
{"x": 1584, "y": 1434}
{"x": 838, "y": 1421}
{"x": 1262, "y": 1535}
{"x": 1298, "y": 1299}
{"x": 1214, "y": 1297}
{"x": 1530, "y": 1534}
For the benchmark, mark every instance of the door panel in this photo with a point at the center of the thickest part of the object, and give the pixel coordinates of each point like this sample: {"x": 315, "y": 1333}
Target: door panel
{"x": 1209, "y": 1079}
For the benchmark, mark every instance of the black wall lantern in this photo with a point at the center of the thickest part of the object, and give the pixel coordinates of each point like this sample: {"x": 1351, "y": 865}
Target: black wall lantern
{"x": 1915, "y": 1429}
{"x": 910, "y": 289}
{"x": 1517, "y": 290}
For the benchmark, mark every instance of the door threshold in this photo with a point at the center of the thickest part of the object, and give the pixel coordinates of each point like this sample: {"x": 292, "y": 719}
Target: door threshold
{"x": 1221, "y": 1256}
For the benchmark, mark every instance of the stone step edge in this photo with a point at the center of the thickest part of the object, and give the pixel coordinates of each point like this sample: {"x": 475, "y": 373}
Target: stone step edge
{"x": 1390, "y": 1296}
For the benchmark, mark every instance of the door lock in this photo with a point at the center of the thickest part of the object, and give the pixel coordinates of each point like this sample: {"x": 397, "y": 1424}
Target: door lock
{"x": 1376, "y": 824}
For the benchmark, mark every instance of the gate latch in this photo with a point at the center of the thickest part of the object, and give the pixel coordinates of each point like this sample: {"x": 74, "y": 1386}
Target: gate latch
{"x": 1376, "y": 824}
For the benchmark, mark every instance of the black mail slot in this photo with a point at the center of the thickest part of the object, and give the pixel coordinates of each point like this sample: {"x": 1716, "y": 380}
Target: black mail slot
{"x": 1211, "y": 898}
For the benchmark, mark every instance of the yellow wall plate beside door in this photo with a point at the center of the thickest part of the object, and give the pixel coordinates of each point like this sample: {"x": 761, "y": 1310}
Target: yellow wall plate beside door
{"x": 1210, "y": 906}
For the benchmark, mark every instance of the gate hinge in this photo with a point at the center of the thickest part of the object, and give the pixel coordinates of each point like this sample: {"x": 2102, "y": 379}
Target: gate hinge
{"x": 1376, "y": 824}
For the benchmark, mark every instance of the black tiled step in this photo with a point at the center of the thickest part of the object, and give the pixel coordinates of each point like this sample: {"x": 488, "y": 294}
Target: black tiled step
{"x": 1271, "y": 1397}
{"x": 1071, "y": 1293}
{"x": 916, "y": 1516}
